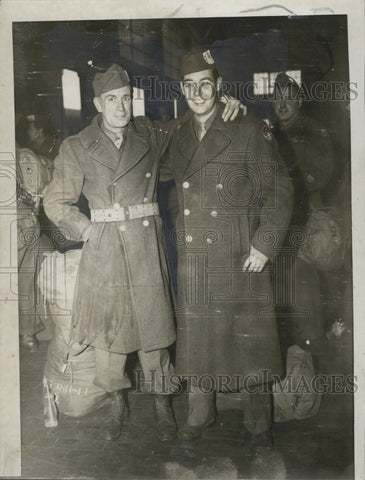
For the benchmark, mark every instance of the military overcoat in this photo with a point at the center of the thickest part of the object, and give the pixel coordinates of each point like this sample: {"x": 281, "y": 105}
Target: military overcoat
{"x": 305, "y": 147}
{"x": 122, "y": 300}
{"x": 234, "y": 192}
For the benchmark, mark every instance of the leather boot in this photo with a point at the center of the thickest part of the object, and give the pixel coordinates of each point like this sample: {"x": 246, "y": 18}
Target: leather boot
{"x": 165, "y": 418}
{"x": 30, "y": 342}
{"x": 118, "y": 411}
{"x": 202, "y": 414}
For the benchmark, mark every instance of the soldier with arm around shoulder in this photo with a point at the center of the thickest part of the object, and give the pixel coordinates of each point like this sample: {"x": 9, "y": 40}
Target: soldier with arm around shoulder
{"x": 235, "y": 204}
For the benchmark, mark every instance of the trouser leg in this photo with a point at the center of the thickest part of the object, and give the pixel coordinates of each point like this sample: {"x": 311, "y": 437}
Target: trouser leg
{"x": 257, "y": 409}
{"x": 201, "y": 405}
{"x": 157, "y": 371}
{"x": 202, "y": 412}
{"x": 29, "y": 321}
{"x": 110, "y": 371}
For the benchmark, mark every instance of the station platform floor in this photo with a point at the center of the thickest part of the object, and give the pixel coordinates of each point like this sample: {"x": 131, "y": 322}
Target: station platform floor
{"x": 320, "y": 447}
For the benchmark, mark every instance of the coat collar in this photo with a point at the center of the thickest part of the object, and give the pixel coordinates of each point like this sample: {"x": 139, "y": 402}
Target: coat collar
{"x": 102, "y": 150}
{"x": 134, "y": 150}
{"x": 197, "y": 154}
{"x": 98, "y": 145}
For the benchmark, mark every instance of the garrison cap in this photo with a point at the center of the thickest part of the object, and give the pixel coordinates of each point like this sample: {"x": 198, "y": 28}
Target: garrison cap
{"x": 196, "y": 62}
{"x": 114, "y": 77}
{"x": 284, "y": 83}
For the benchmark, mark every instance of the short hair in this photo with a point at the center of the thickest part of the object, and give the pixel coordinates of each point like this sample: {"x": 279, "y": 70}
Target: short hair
{"x": 213, "y": 70}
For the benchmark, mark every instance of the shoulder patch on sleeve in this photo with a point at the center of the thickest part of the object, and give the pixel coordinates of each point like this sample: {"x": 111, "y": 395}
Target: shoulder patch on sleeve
{"x": 266, "y": 132}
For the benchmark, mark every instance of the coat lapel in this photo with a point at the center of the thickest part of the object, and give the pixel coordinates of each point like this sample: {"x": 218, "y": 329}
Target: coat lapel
{"x": 186, "y": 144}
{"x": 216, "y": 140}
{"x": 100, "y": 148}
{"x": 134, "y": 150}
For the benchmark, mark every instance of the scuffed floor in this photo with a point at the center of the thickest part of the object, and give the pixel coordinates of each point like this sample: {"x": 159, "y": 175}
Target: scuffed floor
{"x": 317, "y": 448}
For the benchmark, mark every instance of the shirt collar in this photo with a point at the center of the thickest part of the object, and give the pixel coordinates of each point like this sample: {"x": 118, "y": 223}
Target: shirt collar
{"x": 208, "y": 122}
{"x": 112, "y": 135}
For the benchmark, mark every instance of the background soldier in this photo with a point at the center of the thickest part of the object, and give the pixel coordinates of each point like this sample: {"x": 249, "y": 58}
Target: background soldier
{"x": 33, "y": 173}
{"x": 306, "y": 149}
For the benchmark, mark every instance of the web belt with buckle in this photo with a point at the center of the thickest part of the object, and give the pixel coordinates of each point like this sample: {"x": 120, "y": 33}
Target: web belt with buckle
{"x": 120, "y": 214}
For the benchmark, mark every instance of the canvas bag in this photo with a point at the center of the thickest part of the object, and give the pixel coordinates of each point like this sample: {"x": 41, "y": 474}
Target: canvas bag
{"x": 293, "y": 400}
{"x": 69, "y": 370}
{"x": 34, "y": 173}
{"x": 325, "y": 246}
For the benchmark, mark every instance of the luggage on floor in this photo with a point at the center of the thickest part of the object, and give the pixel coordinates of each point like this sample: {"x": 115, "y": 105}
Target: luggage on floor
{"x": 295, "y": 397}
{"x": 70, "y": 369}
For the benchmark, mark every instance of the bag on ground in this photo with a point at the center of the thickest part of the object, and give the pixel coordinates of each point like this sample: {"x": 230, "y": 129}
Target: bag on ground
{"x": 69, "y": 371}
{"x": 294, "y": 397}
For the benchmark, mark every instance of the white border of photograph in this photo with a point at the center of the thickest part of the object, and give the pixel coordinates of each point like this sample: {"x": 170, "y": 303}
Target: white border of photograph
{"x": 47, "y": 10}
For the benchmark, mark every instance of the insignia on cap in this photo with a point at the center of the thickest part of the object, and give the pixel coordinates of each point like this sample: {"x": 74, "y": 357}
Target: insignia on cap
{"x": 266, "y": 132}
{"x": 208, "y": 57}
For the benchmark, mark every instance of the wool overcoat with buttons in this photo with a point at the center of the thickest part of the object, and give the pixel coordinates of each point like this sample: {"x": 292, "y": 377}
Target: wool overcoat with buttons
{"x": 122, "y": 299}
{"x": 234, "y": 192}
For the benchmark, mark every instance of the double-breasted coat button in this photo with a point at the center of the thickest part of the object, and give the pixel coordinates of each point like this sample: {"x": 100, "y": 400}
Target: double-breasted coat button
{"x": 148, "y": 174}
{"x": 186, "y": 185}
{"x": 214, "y": 213}
{"x": 122, "y": 228}
{"x": 186, "y": 212}
{"x": 116, "y": 206}
{"x": 145, "y": 223}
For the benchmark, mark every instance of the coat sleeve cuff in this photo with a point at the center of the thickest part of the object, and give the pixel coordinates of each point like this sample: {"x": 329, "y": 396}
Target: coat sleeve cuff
{"x": 265, "y": 246}
{"x": 74, "y": 229}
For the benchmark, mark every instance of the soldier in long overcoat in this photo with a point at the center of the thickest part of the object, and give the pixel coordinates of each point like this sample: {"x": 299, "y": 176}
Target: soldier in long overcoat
{"x": 122, "y": 300}
{"x": 235, "y": 203}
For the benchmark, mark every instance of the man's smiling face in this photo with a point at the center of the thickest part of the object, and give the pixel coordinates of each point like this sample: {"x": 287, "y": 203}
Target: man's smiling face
{"x": 116, "y": 107}
{"x": 200, "y": 90}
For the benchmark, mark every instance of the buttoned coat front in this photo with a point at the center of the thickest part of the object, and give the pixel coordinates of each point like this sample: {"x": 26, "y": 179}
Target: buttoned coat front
{"x": 122, "y": 299}
{"x": 234, "y": 193}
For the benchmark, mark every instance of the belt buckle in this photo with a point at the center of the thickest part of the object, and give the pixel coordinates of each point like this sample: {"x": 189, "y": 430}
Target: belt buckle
{"x": 133, "y": 211}
{"x": 123, "y": 213}
{"x": 129, "y": 212}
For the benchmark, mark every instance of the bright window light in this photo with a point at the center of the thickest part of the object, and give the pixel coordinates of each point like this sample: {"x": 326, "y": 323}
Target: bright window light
{"x": 138, "y": 102}
{"x": 261, "y": 83}
{"x": 71, "y": 90}
{"x": 264, "y": 82}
